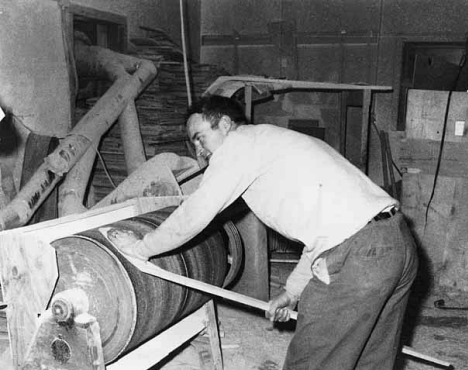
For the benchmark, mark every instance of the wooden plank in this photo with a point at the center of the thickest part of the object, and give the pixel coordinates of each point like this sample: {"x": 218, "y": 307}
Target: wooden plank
{"x": 385, "y": 169}
{"x": 304, "y": 38}
{"x": 411, "y": 352}
{"x": 156, "y": 349}
{"x": 388, "y": 150}
{"x": 278, "y": 84}
{"x": 97, "y": 14}
{"x": 396, "y": 139}
{"x": 248, "y": 102}
{"x": 213, "y": 333}
{"x": 420, "y": 155}
{"x": 426, "y": 112}
{"x": 64, "y": 226}
{"x": 454, "y": 274}
{"x": 343, "y": 121}
{"x": 5, "y": 357}
{"x": 443, "y": 225}
{"x": 443, "y": 237}
{"x": 151, "y": 204}
{"x": 152, "y": 178}
{"x": 28, "y": 275}
{"x": 366, "y": 104}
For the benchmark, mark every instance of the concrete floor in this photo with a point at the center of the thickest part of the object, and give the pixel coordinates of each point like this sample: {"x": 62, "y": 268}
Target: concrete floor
{"x": 249, "y": 342}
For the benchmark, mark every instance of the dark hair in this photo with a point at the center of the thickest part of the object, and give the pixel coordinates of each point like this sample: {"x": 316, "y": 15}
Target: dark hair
{"x": 213, "y": 107}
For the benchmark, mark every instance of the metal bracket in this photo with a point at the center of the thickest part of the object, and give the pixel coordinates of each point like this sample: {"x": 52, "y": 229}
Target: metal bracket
{"x": 67, "y": 337}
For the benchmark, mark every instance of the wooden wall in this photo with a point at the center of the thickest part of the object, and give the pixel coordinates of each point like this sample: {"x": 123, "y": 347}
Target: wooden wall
{"x": 437, "y": 207}
{"x": 358, "y": 41}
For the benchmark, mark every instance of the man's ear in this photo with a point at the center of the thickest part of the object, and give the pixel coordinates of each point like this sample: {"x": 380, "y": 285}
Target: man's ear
{"x": 225, "y": 124}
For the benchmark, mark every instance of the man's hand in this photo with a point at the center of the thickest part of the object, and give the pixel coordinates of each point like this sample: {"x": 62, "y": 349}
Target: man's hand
{"x": 280, "y": 307}
{"x": 125, "y": 241}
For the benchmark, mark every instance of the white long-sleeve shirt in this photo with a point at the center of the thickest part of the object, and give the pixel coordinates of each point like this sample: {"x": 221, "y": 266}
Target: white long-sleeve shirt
{"x": 295, "y": 184}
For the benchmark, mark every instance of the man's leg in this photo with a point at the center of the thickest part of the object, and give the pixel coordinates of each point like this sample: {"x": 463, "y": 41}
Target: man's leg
{"x": 384, "y": 343}
{"x": 336, "y": 320}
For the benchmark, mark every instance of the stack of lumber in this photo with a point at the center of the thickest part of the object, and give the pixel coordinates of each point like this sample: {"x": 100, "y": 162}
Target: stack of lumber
{"x": 161, "y": 108}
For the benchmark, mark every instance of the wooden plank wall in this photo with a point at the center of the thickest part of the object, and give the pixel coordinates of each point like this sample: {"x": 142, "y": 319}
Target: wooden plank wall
{"x": 441, "y": 224}
{"x": 161, "y": 108}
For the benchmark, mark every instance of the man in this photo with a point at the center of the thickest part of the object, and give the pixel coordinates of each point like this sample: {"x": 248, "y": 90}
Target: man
{"x": 353, "y": 279}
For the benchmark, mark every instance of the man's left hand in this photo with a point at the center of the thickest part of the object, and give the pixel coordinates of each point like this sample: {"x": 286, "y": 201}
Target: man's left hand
{"x": 126, "y": 242}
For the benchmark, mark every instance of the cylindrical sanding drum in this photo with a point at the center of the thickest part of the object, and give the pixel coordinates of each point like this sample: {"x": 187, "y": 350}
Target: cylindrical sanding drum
{"x": 132, "y": 306}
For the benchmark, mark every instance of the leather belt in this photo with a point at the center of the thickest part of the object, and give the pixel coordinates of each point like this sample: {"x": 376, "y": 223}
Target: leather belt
{"x": 384, "y": 215}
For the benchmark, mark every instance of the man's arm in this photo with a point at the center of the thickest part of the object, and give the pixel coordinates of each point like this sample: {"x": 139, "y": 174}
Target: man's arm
{"x": 281, "y": 305}
{"x": 300, "y": 276}
{"x": 227, "y": 177}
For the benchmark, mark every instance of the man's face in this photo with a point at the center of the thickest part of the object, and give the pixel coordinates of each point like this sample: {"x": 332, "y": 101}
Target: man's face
{"x": 206, "y": 139}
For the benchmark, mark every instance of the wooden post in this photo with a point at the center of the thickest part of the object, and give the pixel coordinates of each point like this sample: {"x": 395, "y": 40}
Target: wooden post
{"x": 343, "y": 121}
{"x": 366, "y": 104}
{"x": 248, "y": 102}
{"x": 156, "y": 349}
{"x": 213, "y": 333}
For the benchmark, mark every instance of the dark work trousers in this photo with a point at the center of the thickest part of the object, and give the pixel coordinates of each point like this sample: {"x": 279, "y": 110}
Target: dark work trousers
{"x": 355, "y": 322}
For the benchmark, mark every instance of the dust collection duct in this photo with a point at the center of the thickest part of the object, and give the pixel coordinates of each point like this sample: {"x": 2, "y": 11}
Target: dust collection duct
{"x": 129, "y": 305}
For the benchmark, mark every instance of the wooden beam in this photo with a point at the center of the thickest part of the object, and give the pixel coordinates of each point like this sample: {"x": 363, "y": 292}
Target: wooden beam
{"x": 234, "y": 83}
{"x": 422, "y": 155}
{"x": 156, "y": 349}
{"x": 303, "y": 38}
{"x": 28, "y": 275}
{"x": 366, "y": 105}
{"x": 248, "y": 102}
{"x": 54, "y": 229}
{"x": 213, "y": 333}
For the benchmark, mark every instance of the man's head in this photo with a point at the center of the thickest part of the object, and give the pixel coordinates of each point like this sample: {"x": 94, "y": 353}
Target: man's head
{"x": 210, "y": 120}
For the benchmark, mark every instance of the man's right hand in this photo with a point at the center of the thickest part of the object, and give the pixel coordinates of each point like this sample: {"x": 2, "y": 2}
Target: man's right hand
{"x": 281, "y": 306}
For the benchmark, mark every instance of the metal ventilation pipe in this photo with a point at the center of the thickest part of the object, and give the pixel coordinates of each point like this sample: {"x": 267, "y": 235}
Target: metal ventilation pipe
{"x": 87, "y": 131}
{"x": 96, "y": 61}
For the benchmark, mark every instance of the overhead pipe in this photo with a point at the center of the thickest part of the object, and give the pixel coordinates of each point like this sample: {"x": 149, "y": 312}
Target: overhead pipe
{"x": 101, "y": 62}
{"x": 73, "y": 189}
{"x": 104, "y": 63}
{"x": 87, "y": 131}
{"x": 132, "y": 142}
